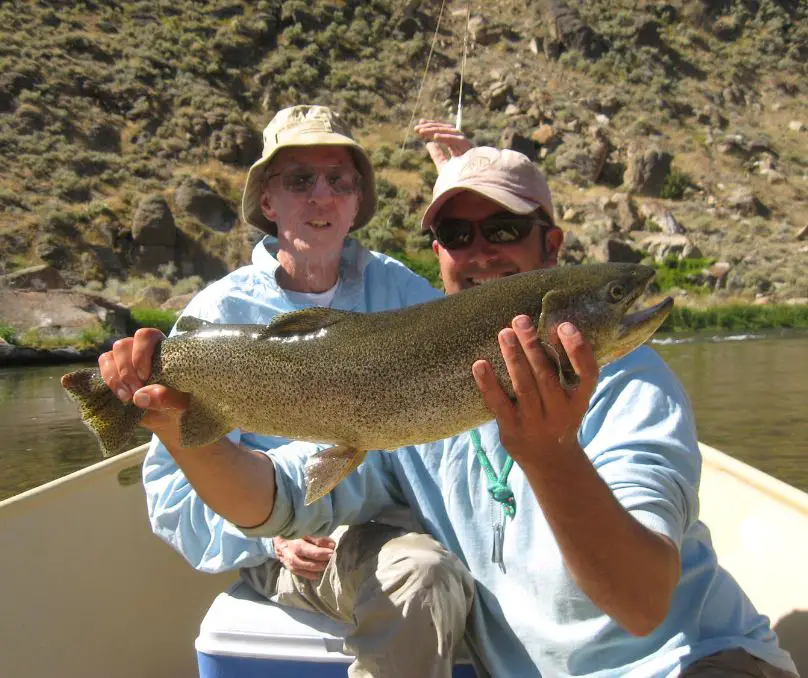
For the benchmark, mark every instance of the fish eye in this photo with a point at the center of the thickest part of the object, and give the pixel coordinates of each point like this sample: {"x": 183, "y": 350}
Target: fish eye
{"x": 617, "y": 291}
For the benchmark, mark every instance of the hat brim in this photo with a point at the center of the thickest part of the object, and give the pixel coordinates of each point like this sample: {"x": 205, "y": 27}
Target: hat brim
{"x": 251, "y": 198}
{"x": 509, "y": 201}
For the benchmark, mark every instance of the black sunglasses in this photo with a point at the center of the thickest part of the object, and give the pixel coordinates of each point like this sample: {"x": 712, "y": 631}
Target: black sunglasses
{"x": 504, "y": 228}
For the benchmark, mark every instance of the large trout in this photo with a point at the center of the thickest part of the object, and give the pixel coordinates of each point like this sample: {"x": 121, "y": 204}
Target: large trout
{"x": 372, "y": 381}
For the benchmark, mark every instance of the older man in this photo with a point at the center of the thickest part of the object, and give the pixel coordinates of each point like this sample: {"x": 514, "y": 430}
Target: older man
{"x": 312, "y": 186}
{"x": 587, "y": 553}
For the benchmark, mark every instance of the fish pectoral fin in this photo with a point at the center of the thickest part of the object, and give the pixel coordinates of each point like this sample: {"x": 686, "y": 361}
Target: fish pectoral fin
{"x": 201, "y": 424}
{"x": 189, "y": 323}
{"x": 303, "y": 322}
{"x": 327, "y": 469}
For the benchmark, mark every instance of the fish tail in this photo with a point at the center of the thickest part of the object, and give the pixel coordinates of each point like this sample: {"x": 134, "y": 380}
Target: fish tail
{"x": 112, "y": 421}
{"x": 327, "y": 469}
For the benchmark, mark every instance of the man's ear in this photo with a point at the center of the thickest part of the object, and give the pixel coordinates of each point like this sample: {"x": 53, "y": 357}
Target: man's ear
{"x": 435, "y": 247}
{"x": 266, "y": 207}
{"x": 552, "y": 244}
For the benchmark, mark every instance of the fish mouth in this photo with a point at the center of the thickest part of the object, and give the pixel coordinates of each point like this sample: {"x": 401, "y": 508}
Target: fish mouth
{"x": 646, "y": 320}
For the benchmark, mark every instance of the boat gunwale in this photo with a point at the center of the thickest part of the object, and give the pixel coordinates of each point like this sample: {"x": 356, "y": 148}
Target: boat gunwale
{"x": 105, "y": 467}
{"x": 760, "y": 480}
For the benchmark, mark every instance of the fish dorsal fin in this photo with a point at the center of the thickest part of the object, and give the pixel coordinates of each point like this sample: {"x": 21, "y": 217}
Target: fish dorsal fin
{"x": 189, "y": 323}
{"x": 304, "y": 322}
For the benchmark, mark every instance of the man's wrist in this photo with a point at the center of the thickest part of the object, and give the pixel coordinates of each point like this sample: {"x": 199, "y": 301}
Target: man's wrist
{"x": 550, "y": 453}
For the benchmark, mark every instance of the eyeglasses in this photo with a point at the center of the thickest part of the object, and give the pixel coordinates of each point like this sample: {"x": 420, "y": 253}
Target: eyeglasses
{"x": 504, "y": 228}
{"x": 302, "y": 179}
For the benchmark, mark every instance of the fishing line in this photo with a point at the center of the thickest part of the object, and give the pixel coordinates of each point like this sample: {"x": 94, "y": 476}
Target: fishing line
{"x": 459, "y": 119}
{"x": 423, "y": 80}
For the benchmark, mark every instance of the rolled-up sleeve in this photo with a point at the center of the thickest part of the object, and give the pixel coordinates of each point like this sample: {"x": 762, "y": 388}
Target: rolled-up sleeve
{"x": 641, "y": 437}
{"x": 180, "y": 518}
{"x": 362, "y": 496}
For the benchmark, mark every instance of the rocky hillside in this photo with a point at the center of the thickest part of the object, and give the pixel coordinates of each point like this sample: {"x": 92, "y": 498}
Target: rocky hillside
{"x": 673, "y": 130}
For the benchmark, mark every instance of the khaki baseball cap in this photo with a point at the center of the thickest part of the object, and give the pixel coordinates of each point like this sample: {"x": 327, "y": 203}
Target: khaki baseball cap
{"x": 507, "y": 177}
{"x": 306, "y": 126}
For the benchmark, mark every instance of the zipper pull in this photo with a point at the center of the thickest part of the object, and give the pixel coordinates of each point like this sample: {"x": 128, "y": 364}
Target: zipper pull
{"x": 496, "y": 551}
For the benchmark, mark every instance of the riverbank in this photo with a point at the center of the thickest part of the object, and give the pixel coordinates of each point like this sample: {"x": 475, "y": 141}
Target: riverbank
{"x": 20, "y": 356}
{"x": 736, "y": 317}
{"x": 32, "y": 348}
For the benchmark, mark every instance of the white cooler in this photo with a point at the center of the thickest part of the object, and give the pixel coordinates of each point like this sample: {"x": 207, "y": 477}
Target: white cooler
{"x": 246, "y": 636}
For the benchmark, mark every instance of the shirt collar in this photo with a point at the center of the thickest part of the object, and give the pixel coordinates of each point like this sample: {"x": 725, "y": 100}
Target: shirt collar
{"x": 353, "y": 262}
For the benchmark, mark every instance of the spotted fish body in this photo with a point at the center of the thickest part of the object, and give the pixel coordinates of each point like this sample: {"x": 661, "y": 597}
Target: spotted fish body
{"x": 372, "y": 381}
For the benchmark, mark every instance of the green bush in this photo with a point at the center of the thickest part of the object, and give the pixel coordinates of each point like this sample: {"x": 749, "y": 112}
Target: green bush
{"x": 736, "y": 317}
{"x": 90, "y": 337}
{"x": 8, "y": 333}
{"x": 680, "y": 273}
{"x": 675, "y": 185}
{"x": 152, "y": 317}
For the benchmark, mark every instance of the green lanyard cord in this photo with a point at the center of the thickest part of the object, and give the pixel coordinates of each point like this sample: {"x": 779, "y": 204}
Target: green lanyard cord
{"x": 497, "y": 486}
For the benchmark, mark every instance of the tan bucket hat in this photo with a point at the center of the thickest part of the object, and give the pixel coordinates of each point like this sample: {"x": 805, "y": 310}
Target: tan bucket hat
{"x": 306, "y": 126}
{"x": 507, "y": 177}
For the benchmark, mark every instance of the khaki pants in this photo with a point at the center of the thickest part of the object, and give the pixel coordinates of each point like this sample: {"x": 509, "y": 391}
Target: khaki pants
{"x": 735, "y": 663}
{"x": 406, "y": 596}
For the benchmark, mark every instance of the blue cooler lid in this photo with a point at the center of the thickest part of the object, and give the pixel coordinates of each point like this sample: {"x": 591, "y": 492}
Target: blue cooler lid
{"x": 242, "y": 623}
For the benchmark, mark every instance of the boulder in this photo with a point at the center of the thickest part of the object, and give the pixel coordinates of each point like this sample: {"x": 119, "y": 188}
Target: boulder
{"x": 566, "y": 30}
{"x": 177, "y": 303}
{"x": 152, "y": 296}
{"x": 628, "y": 217}
{"x": 235, "y": 144}
{"x": 802, "y": 234}
{"x": 515, "y": 141}
{"x": 716, "y": 275}
{"x": 36, "y": 278}
{"x": 646, "y": 170}
{"x": 198, "y": 199}
{"x": 543, "y": 135}
{"x": 619, "y": 251}
{"x": 582, "y": 156}
{"x": 746, "y": 203}
{"x": 497, "y": 96}
{"x": 670, "y": 225}
{"x": 60, "y": 313}
{"x": 484, "y": 32}
{"x": 154, "y": 224}
{"x": 151, "y": 258}
{"x": 662, "y": 245}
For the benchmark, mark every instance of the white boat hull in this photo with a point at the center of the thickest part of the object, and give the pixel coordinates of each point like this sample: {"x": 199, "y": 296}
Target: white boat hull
{"x": 88, "y": 590}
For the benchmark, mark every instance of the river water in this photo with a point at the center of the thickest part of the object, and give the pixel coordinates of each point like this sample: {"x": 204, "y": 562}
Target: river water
{"x": 749, "y": 392}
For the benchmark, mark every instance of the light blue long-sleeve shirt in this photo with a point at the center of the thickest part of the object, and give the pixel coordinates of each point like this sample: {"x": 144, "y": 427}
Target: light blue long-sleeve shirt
{"x": 368, "y": 281}
{"x": 533, "y": 619}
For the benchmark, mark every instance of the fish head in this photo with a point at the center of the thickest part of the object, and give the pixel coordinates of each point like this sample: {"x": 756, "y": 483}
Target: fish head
{"x": 598, "y": 299}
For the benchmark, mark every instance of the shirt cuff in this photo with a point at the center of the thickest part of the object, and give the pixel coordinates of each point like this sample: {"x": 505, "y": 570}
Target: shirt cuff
{"x": 281, "y": 515}
{"x": 658, "y": 524}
